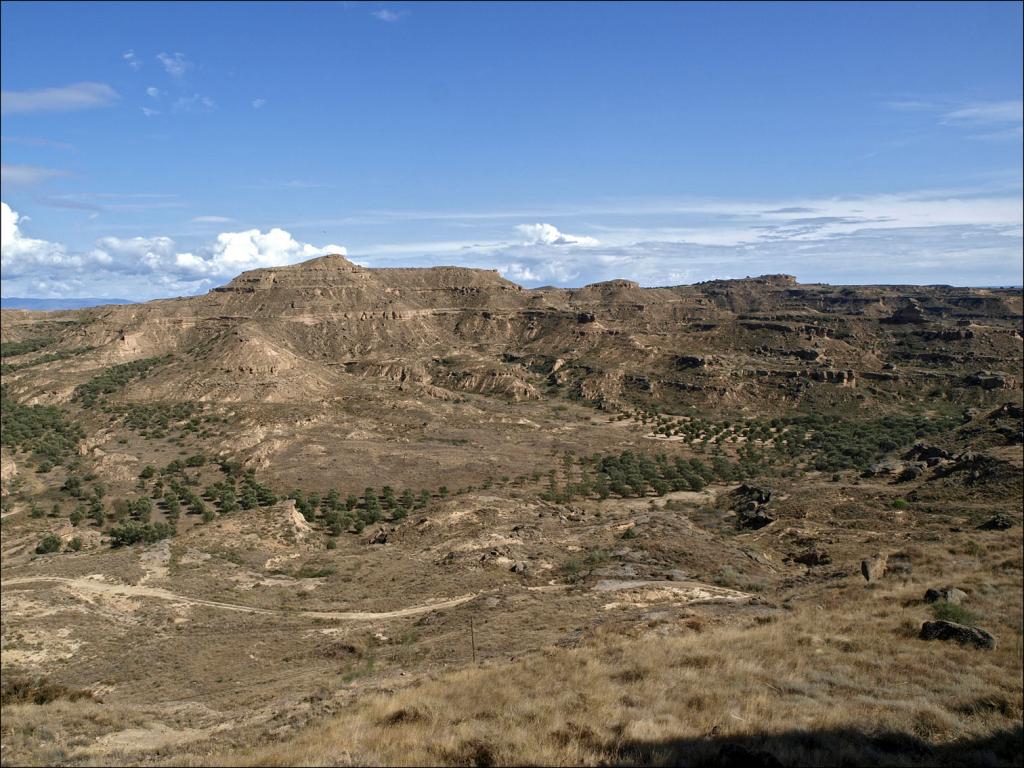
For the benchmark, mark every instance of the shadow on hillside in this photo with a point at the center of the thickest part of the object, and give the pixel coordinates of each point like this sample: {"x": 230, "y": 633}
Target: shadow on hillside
{"x": 833, "y": 747}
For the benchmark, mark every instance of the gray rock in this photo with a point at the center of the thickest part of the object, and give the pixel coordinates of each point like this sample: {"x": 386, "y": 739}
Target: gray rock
{"x": 959, "y": 633}
{"x": 950, "y": 595}
{"x": 910, "y": 472}
{"x": 873, "y": 568}
{"x": 676, "y": 575}
{"x": 518, "y": 568}
{"x": 756, "y": 518}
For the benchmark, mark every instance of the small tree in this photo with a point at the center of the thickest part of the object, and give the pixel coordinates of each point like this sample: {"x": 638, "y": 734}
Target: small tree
{"x": 48, "y": 544}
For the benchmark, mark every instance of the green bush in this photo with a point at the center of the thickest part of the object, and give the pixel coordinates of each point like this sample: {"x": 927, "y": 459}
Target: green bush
{"x": 132, "y": 532}
{"x": 113, "y": 379}
{"x": 15, "y": 348}
{"x": 39, "y": 429}
{"x": 50, "y": 543}
{"x": 944, "y": 611}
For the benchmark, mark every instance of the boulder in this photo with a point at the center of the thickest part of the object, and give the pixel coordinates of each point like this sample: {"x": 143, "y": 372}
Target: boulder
{"x": 755, "y": 493}
{"x": 380, "y": 536}
{"x": 754, "y": 518}
{"x": 999, "y": 522}
{"x": 813, "y": 557}
{"x": 910, "y": 472}
{"x": 873, "y": 568}
{"x": 929, "y": 454}
{"x": 945, "y": 594}
{"x": 949, "y": 630}
{"x": 518, "y": 567}
{"x": 750, "y": 506}
{"x": 911, "y": 313}
{"x": 990, "y": 380}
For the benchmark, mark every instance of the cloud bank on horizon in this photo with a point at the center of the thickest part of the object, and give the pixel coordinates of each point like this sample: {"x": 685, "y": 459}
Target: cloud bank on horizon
{"x": 144, "y": 267}
{"x": 922, "y": 238}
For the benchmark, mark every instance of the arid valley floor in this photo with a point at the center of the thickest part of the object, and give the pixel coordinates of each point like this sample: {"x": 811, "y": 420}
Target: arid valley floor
{"x": 330, "y": 515}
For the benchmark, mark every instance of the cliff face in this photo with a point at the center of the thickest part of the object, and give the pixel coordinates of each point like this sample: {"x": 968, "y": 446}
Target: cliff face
{"x": 300, "y": 333}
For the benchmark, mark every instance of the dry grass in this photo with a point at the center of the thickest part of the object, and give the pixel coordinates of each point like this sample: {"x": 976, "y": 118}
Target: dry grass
{"x": 60, "y": 730}
{"x": 813, "y": 687}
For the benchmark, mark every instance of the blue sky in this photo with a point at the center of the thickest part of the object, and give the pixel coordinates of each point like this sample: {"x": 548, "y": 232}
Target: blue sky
{"x": 158, "y": 149}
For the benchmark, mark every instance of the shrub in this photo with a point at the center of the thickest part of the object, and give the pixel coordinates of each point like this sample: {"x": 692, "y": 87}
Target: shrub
{"x": 956, "y": 613}
{"x": 112, "y": 379}
{"x": 49, "y": 543}
{"x": 40, "y": 429}
{"x": 132, "y": 532}
{"x": 39, "y": 691}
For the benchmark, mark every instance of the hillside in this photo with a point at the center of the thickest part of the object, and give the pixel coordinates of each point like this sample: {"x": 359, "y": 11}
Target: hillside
{"x": 327, "y": 514}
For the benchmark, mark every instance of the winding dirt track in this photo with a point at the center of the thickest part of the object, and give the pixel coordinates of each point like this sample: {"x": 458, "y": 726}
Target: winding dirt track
{"x": 97, "y": 586}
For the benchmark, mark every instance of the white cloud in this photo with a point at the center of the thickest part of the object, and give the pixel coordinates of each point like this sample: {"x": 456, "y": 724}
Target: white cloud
{"x": 175, "y": 64}
{"x": 132, "y": 60}
{"x": 145, "y": 264}
{"x": 20, "y": 254}
{"x": 387, "y": 15}
{"x": 234, "y": 252}
{"x": 211, "y": 220}
{"x": 153, "y": 92}
{"x": 258, "y": 103}
{"x": 65, "y": 98}
{"x": 27, "y": 175}
{"x": 194, "y": 103}
{"x": 149, "y": 112}
{"x": 953, "y": 236}
{"x": 548, "y": 234}
{"x": 986, "y": 113}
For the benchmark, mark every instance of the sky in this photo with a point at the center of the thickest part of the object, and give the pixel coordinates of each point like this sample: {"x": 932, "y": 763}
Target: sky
{"x": 154, "y": 150}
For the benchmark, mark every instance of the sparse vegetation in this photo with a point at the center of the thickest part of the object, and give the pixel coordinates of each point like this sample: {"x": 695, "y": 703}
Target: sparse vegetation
{"x": 113, "y": 379}
{"x": 41, "y": 430}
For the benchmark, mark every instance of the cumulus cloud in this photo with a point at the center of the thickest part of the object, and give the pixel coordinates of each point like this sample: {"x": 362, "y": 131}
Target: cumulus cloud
{"x": 20, "y": 254}
{"x": 132, "y": 60}
{"x": 153, "y": 92}
{"x": 548, "y": 234}
{"x": 229, "y": 254}
{"x": 148, "y": 263}
{"x": 175, "y": 64}
{"x": 258, "y": 103}
{"x": 62, "y": 99}
{"x": 387, "y": 15}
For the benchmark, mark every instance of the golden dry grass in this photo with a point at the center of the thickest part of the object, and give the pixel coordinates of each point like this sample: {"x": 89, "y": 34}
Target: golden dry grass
{"x": 849, "y": 684}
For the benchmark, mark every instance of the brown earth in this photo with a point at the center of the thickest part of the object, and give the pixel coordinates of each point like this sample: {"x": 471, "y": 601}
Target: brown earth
{"x": 258, "y": 637}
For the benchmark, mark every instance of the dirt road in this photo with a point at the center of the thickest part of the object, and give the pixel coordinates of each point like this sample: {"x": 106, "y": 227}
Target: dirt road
{"x": 94, "y": 585}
